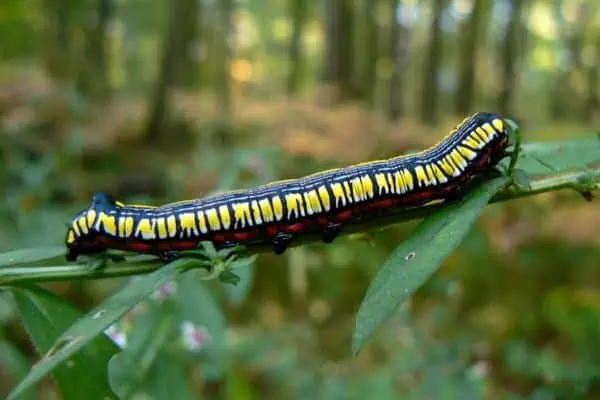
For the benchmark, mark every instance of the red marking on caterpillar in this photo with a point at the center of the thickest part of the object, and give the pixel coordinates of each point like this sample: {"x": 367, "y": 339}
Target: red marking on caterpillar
{"x": 344, "y": 216}
{"x": 294, "y": 228}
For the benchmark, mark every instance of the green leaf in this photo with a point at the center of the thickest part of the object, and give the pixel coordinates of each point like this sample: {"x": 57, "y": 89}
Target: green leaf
{"x": 226, "y": 252}
{"x": 244, "y": 269}
{"x": 16, "y": 364}
{"x": 45, "y": 317}
{"x": 8, "y": 308}
{"x": 229, "y": 278}
{"x": 416, "y": 259}
{"x": 167, "y": 379}
{"x": 522, "y": 179}
{"x": 197, "y": 305}
{"x": 243, "y": 263}
{"x": 130, "y": 368}
{"x": 554, "y": 157}
{"x": 26, "y": 256}
{"x": 100, "y": 318}
{"x": 208, "y": 248}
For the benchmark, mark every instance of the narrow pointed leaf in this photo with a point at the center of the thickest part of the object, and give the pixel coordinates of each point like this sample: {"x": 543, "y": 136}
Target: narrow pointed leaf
{"x": 100, "y": 318}
{"x": 416, "y": 259}
{"x": 45, "y": 317}
{"x": 26, "y": 256}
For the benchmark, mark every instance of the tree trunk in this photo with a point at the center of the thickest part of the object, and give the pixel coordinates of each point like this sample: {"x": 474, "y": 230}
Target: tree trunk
{"x": 564, "y": 100}
{"x": 298, "y": 15}
{"x": 328, "y": 71}
{"x": 399, "y": 54}
{"x": 429, "y": 112}
{"x": 593, "y": 100}
{"x": 159, "y": 105}
{"x": 92, "y": 78}
{"x": 468, "y": 59}
{"x": 510, "y": 54}
{"x": 222, "y": 77}
{"x": 345, "y": 59}
{"x": 57, "y": 38}
{"x": 369, "y": 81}
{"x": 189, "y": 37}
{"x": 338, "y": 57}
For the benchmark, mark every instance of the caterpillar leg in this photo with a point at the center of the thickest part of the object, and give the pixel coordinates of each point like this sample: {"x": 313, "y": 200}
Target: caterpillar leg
{"x": 168, "y": 256}
{"x": 455, "y": 197}
{"x": 281, "y": 242}
{"x": 72, "y": 255}
{"x": 331, "y": 232}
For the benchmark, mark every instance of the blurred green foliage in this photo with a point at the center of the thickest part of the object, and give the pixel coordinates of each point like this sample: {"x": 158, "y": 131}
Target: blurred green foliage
{"x": 512, "y": 314}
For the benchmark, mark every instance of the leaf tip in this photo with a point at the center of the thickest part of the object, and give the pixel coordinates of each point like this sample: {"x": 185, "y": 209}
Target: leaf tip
{"x": 357, "y": 344}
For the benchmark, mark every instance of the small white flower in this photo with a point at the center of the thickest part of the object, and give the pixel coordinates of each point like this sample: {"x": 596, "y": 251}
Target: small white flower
{"x": 165, "y": 291}
{"x": 194, "y": 337}
{"x": 116, "y": 335}
{"x": 479, "y": 370}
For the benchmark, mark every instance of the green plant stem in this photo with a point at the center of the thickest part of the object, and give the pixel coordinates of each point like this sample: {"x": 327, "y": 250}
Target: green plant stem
{"x": 579, "y": 181}
{"x": 21, "y": 274}
{"x": 584, "y": 181}
{"x": 517, "y": 146}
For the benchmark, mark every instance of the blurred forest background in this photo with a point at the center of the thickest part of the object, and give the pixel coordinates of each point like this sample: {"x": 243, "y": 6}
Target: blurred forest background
{"x": 155, "y": 101}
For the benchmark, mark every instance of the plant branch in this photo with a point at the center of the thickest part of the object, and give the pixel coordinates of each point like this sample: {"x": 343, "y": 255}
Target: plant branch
{"x": 582, "y": 181}
{"x": 11, "y": 275}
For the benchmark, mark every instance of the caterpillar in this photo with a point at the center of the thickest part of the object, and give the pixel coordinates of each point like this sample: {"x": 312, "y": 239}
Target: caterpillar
{"x": 281, "y": 211}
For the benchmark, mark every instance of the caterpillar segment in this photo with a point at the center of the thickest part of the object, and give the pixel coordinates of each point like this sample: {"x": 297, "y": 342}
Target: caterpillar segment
{"x": 279, "y": 212}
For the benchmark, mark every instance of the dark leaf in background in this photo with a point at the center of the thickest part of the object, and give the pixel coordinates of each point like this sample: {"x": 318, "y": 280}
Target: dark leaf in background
{"x": 199, "y": 310}
{"x": 129, "y": 370}
{"x": 17, "y": 366}
{"x": 167, "y": 379}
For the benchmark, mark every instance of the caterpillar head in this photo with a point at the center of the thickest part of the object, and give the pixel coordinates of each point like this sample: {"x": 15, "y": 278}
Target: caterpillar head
{"x": 504, "y": 137}
{"x": 82, "y": 233}
{"x": 493, "y": 128}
